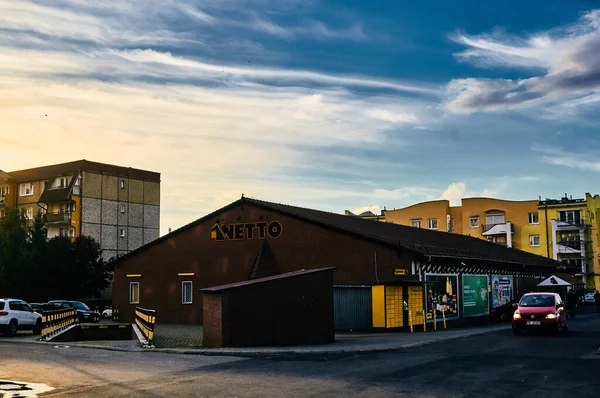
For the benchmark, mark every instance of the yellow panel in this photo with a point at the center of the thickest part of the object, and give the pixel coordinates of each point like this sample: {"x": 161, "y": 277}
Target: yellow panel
{"x": 415, "y": 304}
{"x": 394, "y": 307}
{"x": 378, "y": 303}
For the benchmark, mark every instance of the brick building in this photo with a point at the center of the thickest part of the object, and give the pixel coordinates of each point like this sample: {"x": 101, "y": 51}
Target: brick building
{"x": 251, "y": 238}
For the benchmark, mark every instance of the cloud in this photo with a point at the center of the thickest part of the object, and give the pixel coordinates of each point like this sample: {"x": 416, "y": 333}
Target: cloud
{"x": 311, "y": 28}
{"x": 567, "y": 57}
{"x": 456, "y": 191}
{"x": 393, "y": 117}
{"x": 560, "y": 157}
{"x": 375, "y": 209}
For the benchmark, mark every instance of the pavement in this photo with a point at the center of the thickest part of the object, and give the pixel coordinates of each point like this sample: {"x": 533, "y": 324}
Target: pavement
{"x": 493, "y": 364}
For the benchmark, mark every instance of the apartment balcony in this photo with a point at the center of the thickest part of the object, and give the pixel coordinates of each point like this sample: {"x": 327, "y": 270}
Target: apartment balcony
{"x": 571, "y": 224}
{"x": 498, "y": 229}
{"x": 57, "y": 218}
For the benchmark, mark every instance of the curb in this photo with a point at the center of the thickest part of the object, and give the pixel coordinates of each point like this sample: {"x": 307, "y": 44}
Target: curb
{"x": 265, "y": 352}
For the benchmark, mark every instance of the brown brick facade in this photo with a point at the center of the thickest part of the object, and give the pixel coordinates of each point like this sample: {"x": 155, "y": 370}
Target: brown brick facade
{"x": 302, "y": 245}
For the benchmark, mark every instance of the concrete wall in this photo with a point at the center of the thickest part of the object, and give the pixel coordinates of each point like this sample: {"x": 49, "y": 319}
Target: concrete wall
{"x": 103, "y": 198}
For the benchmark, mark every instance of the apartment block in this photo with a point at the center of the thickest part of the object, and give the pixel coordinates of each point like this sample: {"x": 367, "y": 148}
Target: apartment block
{"x": 564, "y": 229}
{"x": 117, "y": 206}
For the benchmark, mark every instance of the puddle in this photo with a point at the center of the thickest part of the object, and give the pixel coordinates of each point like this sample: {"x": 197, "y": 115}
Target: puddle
{"x": 21, "y": 389}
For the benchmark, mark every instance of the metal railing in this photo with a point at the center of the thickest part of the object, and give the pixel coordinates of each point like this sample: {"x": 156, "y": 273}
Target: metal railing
{"x": 56, "y": 321}
{"x": 145, "y": 320}
{"x": 487, "y": 227}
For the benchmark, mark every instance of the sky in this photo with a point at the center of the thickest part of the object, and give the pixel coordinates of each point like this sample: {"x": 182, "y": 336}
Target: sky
{"x": 332, "y": 105}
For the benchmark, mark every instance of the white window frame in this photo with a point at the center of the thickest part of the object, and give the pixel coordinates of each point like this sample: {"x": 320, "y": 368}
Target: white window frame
{"x": 417, "y": 223}
{"x": 122, "y": 233}
{"x": 430, "y": 223}
{"x": 476, "y": 219}
{"x": 495, "y": 217}
{"x": 529, "y": 218}
{"x": 131, "y": 298}
{"x": 4, "y": 191}
{"x": 122, "y": 184}
{"x": 532, "y": 241}
{"x": 24, "y": 187}
{"x": 29, "y": 213}
{"x": 123, "y": 209}
{"x": 190, "y": 284}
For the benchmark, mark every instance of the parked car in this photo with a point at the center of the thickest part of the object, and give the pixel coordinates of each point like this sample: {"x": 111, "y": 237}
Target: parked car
{"x": 107, "y": 313}
{"x": 40, "y": 308}
{"x": 589, "y": 298}
{"x": 84, "y": 313}
{"x": 540, "y": 311}
{"x": 17, "y": 315}
{"x": 504, "y": 312}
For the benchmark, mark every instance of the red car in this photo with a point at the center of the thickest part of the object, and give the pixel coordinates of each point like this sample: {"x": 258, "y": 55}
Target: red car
{"x": 540, "y": 311}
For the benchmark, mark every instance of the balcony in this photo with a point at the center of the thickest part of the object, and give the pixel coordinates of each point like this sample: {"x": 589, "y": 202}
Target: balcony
{"x": 57, "y": 218}
{"x": 497, "y": 229}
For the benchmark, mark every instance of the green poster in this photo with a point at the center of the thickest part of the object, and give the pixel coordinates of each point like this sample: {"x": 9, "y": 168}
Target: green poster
{"x": 475, "y": 295}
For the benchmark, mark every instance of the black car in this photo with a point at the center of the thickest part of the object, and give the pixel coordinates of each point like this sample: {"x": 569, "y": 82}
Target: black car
{"x": 504, "y": 312}
{"x": 84, "y": 313}
{"x": 40, "y": 308}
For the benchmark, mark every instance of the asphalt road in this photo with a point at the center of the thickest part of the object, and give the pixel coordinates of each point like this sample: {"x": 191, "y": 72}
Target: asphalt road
{"x": 492, "y": 365}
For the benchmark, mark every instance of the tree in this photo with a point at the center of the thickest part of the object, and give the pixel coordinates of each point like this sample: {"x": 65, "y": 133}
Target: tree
{"x": 36, "y": 269}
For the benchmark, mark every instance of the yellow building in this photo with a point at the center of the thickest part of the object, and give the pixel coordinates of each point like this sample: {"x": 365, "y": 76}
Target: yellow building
{"x": 564, "y": 229}
{"x": 509, "y": 223}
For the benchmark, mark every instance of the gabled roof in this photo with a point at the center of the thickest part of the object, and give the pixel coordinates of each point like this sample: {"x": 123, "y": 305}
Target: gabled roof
{"x": 561, "y": 279}
{"x": 5, "y": 176}
{"x": 417, "y": 241}
{"x": 266, "y": 279}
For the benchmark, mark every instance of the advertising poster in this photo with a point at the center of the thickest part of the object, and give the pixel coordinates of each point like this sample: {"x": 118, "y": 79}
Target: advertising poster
{"x": 502, "y": 290}
{"x": 475, "y": 295}
{"x": 442, "y": 293}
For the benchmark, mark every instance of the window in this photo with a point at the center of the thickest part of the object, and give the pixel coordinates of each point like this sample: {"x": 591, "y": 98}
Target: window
{"x": 68, "y": 232}
{"x": 122, "y": 184}
{"x": 534, "y": 218}
{"x": 134, "y": 293}
{"x": 534, "y": 240}
{"x": 2, "y": 213}
{"x": 433, "y": 223}
{"x": 474, "y": 221}
{"x": 4, "y": 191}
{"x": 122, "y": 232}
{"x": 415, "y": 223}
{"x": 570, "y": 216}
{"x": 26, "y": 189}
{"x": 29, "y": 213}
{"x": 122, "y": 208}
{"x": 493, "y": 219}
{"x": 186, "y": 292}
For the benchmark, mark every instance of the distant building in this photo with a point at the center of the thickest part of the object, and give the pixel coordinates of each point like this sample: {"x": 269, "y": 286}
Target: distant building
{"x": 563, "y": 229}
{"x": 117, "y": 206}
{"x": 367, "y": 215}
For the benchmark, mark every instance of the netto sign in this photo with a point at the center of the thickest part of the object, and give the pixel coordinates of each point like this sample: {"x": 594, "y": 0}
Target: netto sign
{"x": 242, "y": 231}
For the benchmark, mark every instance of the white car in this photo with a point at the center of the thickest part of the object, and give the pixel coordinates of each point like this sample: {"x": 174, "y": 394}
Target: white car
{"x": 107, "y": 313}
{"x": 17, "y": 315}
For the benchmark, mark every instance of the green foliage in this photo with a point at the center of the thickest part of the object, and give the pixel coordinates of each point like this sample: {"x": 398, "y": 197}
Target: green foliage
{"x": 36, "y": 269}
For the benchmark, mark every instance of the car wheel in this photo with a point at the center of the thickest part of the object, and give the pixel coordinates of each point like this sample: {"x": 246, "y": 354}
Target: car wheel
{"x": 516, "y": 331}
{"x": 12, "y": 328}
{"x": 37, "y": 330}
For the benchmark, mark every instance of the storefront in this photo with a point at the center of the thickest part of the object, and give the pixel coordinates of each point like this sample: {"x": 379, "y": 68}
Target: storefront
{"x": 250, "y": 239}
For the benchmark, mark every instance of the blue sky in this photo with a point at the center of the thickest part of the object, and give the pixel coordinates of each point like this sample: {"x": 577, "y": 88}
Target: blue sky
{"x": 327, "y": 104}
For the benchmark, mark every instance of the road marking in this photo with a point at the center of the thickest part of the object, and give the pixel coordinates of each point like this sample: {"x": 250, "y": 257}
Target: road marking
{"x": 14, "y": 389}
{"x": 61, "y": 346}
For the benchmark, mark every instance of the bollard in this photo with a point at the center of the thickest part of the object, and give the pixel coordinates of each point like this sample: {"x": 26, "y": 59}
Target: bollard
{"x": 444, "y": 317}
{"x": 410, "y": 321}
{"x": 435, "y": 320}
{"x": 424, "y": 320}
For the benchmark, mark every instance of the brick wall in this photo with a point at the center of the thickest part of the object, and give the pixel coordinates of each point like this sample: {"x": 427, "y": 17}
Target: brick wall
{"x": 212, "y": 320}
{"x": 302, "y": 245}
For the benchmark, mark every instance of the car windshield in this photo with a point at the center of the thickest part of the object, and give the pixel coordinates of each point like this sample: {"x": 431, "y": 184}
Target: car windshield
{"x": 537, "y": 301}
{"x": 80, "y": 306}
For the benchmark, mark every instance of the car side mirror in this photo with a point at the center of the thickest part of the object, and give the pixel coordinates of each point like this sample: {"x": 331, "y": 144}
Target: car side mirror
{"x": 515, "y": 305}
{"x": 558, "y": 306}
